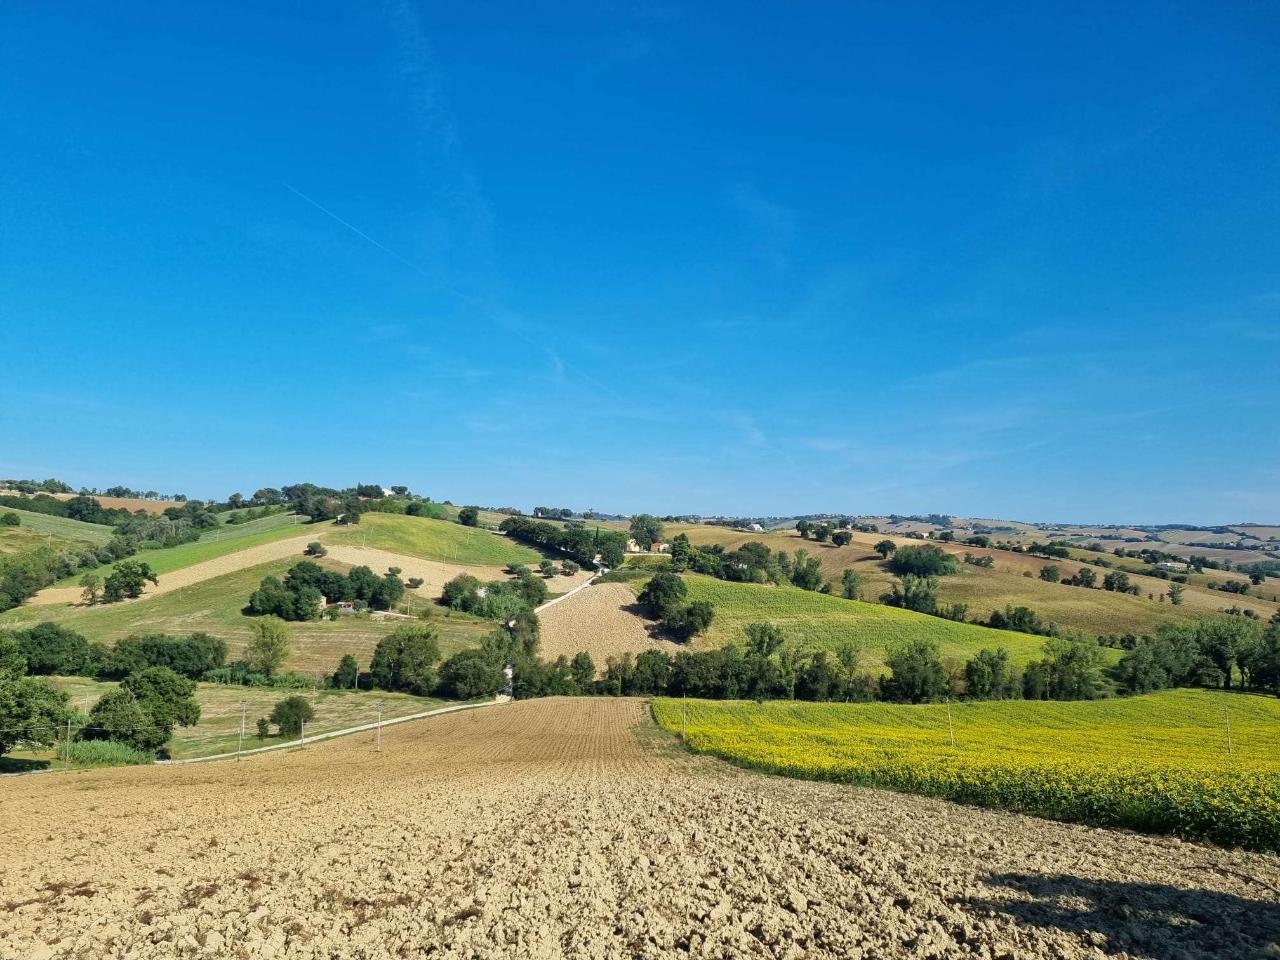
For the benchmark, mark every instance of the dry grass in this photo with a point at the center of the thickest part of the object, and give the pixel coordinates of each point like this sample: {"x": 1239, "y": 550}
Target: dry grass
{"x": 1091, "y": 612}
{"x": 128, "y": 503}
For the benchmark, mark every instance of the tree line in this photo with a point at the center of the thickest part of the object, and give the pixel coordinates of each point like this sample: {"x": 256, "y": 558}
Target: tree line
{"x": 573, "y": 539}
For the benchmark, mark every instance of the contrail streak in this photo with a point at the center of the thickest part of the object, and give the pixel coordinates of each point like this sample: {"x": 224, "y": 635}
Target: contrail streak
{"x": 381, "y": 246}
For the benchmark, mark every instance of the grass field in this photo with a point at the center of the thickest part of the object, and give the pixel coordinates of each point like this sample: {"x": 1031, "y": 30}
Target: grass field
{"x": 1091, "y": 612}
{"x": 432, "y": 540}
{"x": 36, "y": 529}
{"x": 1158, "y": 763}
{"x": 224, "y": 541}
{"x": 219, "y": 726}
{"x": 822, "y": 621}
{"x": 215, "y": 606}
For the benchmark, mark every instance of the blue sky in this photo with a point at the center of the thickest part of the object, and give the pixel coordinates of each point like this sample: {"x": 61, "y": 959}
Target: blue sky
{"x": 1021, "y": 261}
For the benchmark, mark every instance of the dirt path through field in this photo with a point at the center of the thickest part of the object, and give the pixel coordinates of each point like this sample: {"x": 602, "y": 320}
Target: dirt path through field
{"x": 197, "y": 572}
{"x": 572, "y": 828}
{"x": 598, "y": 620}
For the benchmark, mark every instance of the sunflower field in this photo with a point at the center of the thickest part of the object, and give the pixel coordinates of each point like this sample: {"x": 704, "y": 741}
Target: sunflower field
{"x": 1199, "y": 764}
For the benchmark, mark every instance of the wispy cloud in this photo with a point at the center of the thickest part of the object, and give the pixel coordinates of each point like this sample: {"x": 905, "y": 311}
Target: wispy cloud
{"x": 771, "y": 225}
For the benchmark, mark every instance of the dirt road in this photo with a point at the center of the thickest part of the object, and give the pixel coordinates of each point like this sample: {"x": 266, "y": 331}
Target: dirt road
{"x": 572, "y": 828}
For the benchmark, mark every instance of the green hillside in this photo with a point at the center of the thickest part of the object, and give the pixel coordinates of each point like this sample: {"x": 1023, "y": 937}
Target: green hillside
{"x": 35, "y": 529}
{"x": 218, "y": 543}
{"x": 1013, "y": 579}
{"x": 822, "y": 621}
{"x": 432, "y": 540}
{"x": 215, "y": 606}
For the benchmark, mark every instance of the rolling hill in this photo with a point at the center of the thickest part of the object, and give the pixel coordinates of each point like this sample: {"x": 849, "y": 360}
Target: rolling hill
{"x": 432, "y": 540}
{"x": 823, "y": 621}
{"x": 1012, "y": 580}
{"x": 61, "y": 533}
{"x": 216, "y": 605}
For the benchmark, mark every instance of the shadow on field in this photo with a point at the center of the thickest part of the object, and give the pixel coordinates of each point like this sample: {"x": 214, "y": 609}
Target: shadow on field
{"x": 21, "y": 765}
{"x": 1150, "y": 920}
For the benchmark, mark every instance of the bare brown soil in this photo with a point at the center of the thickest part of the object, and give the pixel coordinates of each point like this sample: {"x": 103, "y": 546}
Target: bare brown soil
{"x": 572, "y": 828}
{"x": 600, "y": 620}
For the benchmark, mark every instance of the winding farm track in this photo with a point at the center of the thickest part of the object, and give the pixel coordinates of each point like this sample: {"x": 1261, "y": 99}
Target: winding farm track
{"x": 196, "y": 573}
{"x": 572, "y": 828}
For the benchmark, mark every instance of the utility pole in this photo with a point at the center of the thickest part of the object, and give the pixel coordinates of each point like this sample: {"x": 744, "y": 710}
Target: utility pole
{"x": 1226, "y": 718}
{"x": 240, "y": 747}
{"x": 950, "y": 729}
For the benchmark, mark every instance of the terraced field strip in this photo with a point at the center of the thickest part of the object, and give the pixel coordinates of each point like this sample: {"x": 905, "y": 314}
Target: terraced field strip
{"x": 1192, "y": 762}
{"x": 573, "y": 828}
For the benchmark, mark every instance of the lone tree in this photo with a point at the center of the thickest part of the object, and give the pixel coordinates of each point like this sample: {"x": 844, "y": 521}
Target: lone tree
{"x": 646, "y": 530}
{"x": 850, "y": 584}
{"x": 842, "y": 538}
{"x": 10, "y": 519}
{"x": 469, "y": 516}
{"x": 290, "y": 714}
{"x": 1050, "y": 573}
{"x": 1175, "y": 593}
{"x": 885, "y": 548}
{"x": 803, "y": 527}
{"x": 269, "y": 644}
{"x": 315, "y": 549}
{"x": 127, "y": 580}
{"x": 91, "y": 583}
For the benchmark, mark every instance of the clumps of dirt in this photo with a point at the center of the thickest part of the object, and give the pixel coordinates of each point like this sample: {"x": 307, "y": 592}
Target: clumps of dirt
{"x": 556, "y": 828}
{"x": 603, "y": 621}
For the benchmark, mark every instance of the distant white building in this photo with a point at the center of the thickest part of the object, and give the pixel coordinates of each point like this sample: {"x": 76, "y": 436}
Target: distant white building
{"x": 633, "y": 547}
{"x": 1172, "y": 566}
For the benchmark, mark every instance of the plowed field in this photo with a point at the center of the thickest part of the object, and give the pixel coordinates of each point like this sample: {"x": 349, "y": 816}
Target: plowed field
{"x": 571, "y": 828}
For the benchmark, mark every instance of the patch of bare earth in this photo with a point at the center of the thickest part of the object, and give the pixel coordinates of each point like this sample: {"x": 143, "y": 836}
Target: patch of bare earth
{"x": 601, "y": 620}
{"x": 572, "y": 828}
{"x": 196, "y": 573}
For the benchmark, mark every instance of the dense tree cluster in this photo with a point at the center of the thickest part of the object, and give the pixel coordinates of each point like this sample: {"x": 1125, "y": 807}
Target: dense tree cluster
{"x": 663, "y": 599}
{"x": 580, "y": 543}
{"x": 1217, "y": 651}
{"x": 496, "y": 599}
{"x": 299, "y": 596}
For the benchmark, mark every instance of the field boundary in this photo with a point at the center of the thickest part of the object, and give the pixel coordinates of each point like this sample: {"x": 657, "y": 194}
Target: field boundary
{"x": 566, "y": 596}
{"x": 331, "y": 734}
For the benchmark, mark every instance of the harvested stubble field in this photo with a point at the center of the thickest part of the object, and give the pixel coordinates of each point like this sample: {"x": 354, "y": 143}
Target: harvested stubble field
{"x": 571, "y": 828}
